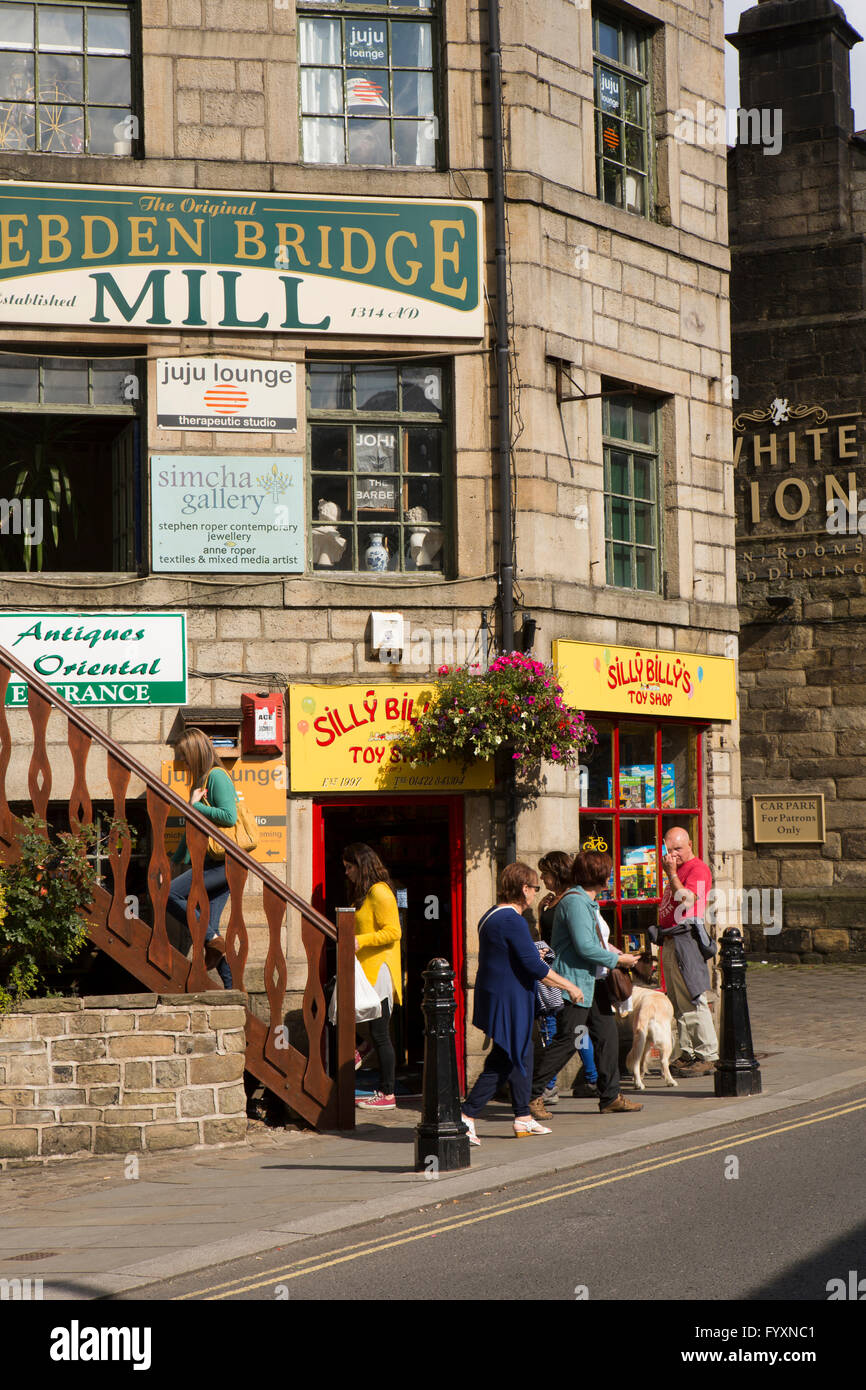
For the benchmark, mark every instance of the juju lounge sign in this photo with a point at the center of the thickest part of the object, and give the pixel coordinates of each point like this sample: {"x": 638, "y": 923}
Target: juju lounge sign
{"x": 162, "y": 258}
{"x": 632, "y": 680}
{"x": 342, "y": 737}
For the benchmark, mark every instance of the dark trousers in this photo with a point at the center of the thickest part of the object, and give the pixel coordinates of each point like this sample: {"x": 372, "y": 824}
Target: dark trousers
{"x": 499, "y": 1068}
{"x": 380, "y": 1036}
{"x": 601, "y": 1025}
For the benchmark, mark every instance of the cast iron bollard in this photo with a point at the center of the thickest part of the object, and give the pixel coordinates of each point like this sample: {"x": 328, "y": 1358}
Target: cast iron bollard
{"x": 737, "y": 1071}
{"x": 441, "y": 1136}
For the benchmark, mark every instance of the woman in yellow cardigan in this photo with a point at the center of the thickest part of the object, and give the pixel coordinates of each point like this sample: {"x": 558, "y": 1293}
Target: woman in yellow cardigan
{"x": 377, "y": 945}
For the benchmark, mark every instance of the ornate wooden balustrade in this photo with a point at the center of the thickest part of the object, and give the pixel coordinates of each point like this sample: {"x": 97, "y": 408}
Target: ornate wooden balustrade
{"x": 147, "y": 952}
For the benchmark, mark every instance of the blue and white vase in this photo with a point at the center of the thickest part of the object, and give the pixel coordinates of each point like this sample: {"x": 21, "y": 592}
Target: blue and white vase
{"x": 376, "y": 556}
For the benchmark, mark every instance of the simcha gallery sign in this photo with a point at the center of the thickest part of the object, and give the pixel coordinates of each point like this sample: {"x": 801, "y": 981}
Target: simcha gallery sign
{"x": 220, "y": 514}
{"x": 80, "y": 254}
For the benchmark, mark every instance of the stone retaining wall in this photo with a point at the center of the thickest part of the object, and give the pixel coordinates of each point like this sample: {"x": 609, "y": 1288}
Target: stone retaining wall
{"x": 121, "y": 1074}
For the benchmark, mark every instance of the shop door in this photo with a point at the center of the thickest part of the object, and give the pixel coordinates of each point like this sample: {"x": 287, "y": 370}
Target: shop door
{"x": 420, "y": 842}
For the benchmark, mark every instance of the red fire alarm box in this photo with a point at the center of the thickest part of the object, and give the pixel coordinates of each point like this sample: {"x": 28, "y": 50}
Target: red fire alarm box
{"x": 262, "y": 723}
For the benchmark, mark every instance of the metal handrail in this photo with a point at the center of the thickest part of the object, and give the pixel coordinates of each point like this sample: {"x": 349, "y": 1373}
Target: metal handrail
{"x": 193, "y": 817}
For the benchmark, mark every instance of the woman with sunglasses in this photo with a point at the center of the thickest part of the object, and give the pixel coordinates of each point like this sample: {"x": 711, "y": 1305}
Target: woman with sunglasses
{"x": 508, "y": 967}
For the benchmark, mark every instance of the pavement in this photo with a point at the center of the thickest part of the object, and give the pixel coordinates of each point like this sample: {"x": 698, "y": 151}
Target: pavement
{"x": 97, "y": 1226}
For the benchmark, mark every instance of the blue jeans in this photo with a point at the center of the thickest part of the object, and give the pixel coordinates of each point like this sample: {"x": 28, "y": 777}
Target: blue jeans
{"x": 587, "y": 1056}
{"x": 217, "y": 888}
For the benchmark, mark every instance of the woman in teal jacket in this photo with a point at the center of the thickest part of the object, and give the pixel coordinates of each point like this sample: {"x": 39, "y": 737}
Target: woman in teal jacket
{"x": 208, "y": 778}
{"x": 581, "y": 957}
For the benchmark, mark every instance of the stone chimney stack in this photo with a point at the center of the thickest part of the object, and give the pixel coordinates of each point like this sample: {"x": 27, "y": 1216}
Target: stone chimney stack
{"x": 794, "y": 72}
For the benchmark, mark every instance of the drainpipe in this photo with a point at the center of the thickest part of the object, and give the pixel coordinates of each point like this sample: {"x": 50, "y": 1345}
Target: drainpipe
{"x": 503, "y": 390}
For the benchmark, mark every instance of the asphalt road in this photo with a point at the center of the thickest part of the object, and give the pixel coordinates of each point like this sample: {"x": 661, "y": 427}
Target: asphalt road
{"x": 767, "y": 1209}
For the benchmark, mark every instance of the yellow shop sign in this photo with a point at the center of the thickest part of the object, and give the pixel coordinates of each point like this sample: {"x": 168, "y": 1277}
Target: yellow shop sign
{"x": 342, "y": 740}
{"x": 643, "y": 680}
{"x": 262, "y": 784}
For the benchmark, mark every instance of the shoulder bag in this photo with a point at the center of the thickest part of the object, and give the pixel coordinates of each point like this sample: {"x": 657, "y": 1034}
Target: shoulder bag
{"x": 618, "y": 981}
{"x": 244, "y": 832}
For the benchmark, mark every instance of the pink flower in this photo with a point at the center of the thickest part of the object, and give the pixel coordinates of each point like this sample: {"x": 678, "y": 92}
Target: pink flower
{"x": 442, "y": 671}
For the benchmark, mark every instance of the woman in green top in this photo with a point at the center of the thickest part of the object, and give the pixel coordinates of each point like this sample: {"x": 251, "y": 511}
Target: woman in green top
{"x": 195, "y": 751}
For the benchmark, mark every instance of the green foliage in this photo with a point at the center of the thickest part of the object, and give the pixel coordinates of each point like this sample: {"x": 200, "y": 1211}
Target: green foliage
{"x": 515, "y": 705}
{"x": 42, "y": 898}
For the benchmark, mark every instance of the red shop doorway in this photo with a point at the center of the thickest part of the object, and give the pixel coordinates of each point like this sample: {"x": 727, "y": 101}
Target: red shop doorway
{"x": 420, "y": 841}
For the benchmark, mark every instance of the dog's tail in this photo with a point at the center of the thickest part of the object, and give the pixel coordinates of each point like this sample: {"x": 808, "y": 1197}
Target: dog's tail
{"x": 660, "y": 1033}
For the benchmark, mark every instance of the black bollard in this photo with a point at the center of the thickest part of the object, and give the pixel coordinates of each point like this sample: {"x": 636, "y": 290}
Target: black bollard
{"x": 441, "y": 1139}
{"x": 737, "y": 1071}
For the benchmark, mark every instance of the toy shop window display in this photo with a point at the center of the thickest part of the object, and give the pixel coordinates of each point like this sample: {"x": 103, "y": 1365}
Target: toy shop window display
{"x": 640, "y": 780}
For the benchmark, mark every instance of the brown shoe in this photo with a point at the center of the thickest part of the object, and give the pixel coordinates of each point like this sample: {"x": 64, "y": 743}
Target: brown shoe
{"x": 701, "y": 1069}
{"x": 214, "y": 950}
{"x": 538, "y": 1110}
{"x": 618, "y": 1106}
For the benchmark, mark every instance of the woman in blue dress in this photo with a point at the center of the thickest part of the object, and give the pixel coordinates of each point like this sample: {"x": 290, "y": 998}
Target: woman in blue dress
{"x": 508, "y": 967}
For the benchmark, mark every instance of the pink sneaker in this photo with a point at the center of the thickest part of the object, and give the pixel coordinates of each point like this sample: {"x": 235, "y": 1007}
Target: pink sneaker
{"x": 358, "y": 1059}
{"x": 377, "y": 1101}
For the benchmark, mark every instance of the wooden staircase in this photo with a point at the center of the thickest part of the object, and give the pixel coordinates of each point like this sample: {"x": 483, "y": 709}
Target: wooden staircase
{"x": 299, "y": 1078}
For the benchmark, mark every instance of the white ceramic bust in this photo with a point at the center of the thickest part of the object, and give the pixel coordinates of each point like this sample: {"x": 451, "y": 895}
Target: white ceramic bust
{"x": 328, "y": 544}
{"x": 424, "y": 544}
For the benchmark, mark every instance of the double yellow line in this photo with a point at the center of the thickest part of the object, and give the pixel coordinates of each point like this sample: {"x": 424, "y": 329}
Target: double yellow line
{"x": 313, "y": 1263}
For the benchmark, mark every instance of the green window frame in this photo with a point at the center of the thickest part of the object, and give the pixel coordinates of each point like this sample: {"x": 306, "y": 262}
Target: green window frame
{"x": 68, "y": 385}
{"x": 369, "y": 85}
{"x": 68, "y": 77}
{"x": 631, "y": 432}
{"x": 623, "y": 103}
{"x": 378, "y": 444}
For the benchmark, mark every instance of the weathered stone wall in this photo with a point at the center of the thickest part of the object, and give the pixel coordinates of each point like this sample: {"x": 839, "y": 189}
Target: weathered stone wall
{"x": 615, "y": 296}
{"x": 799, "y": 333}
{"x": 121, "y": 1074}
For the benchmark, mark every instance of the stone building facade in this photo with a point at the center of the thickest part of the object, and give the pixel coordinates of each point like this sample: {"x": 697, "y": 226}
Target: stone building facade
{"x": 798, "y": 232}
{"x": 622, "y": 472}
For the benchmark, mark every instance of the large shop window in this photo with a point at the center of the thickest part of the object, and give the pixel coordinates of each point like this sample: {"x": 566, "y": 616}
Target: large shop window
{"x": 631, "y": 492}
{"x": 377, "y": 448}
{"x": 70, "y": 478}
{"x": 641, "y": 780}
{"x": 66, "y": 78}
{"x": 369, "y": 83}
{"x": 622, "y": 111}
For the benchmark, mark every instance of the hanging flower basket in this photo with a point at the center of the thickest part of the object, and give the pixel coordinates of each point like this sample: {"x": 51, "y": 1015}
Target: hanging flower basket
{"x": 515, "y": 706}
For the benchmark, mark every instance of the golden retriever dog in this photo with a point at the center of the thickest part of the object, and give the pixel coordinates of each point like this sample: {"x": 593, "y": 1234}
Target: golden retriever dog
{"x": 652, "y": 1023}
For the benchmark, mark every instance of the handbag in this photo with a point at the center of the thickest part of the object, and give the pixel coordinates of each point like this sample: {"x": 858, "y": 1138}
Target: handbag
{"x": 244, "y": 832}
{"x": 618, "y": 980}
{"x": 367, "y": 1002}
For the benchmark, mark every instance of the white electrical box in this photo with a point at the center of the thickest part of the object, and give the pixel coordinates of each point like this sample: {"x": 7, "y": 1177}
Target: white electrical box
{"x": 386, "y": 635}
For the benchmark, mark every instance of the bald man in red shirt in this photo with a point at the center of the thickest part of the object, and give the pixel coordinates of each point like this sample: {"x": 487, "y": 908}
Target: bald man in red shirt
{"x": 686, "y": 975}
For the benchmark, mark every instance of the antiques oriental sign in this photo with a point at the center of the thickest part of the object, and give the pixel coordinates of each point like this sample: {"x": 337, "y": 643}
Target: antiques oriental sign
{"x": 100, "y": 658}
{"x": 341, "y": 738}
{"x": 631, "y": 680}
{"x": 180, "y": 258}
